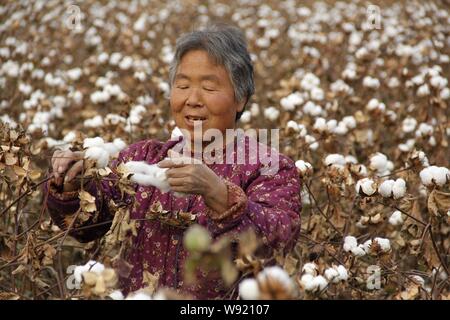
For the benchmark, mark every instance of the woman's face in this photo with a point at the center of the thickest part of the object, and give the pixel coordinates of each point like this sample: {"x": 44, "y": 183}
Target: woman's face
{"x": 202, "y": 91}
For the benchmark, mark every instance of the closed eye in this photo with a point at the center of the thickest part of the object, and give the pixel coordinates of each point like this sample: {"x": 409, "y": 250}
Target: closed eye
{"x": 209, "y": 89}
{"x": 182, "y": 87}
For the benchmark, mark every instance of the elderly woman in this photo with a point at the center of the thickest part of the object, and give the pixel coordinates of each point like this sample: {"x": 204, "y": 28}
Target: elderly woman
{"x": 211, "y": 80}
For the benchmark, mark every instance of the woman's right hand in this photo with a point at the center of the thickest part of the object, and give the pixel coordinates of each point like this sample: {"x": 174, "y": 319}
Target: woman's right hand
{"x": 66, "y": 166}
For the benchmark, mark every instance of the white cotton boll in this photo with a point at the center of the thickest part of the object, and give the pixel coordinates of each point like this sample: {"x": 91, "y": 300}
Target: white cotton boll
{"x": 70, "y": 136}
{"x": 310, "y": 268}
{"x": 119, "y": 143}
{"x": 424, "y": 130}
{"x": 366, "y": 246}
{"x": 358, "y": 251}
{"x": 100, "y": 155}
{"x": 309, "y": 81}
{"x": 94, "y": 122}
{"x": 93, "y": 142}
{"x": 115, "y": 58}
{"x": 335, "y": 159}
{"x": 343, "y": 273}
{"x": 254, "y": 109}
{"x": 332, "y": 275}
{"x": 276, "y": 273}
{"x": 399, "y": 188}
{"x": 350, "y": 242}
{"x": 114, "y": 119}
{"x": 25, "y": 88}
{"x": 393, "y": 82}
{"x": 271, "y": 113}
{"x": 378, "y": 162}
{"x": 351, "y": 159}
{"x": 385, "y": 244}
{"x": 303, "y": 166}
{"x": 102, "y": 57}
{"x": 317, "y": 94}
{"x": 445, "y": 93}
{"x": 440, "y": 175}
{"x": 341, "y": 129}
{"x": 74, "y": 74}
{"x": 423, "y": 90}
{"x": 396, "y": 218}
{"x": 372, "y": 104}
{"x": 116, "y": 295}
{"x": 246, "y": 116}
{"x": 145, "y": 174}
{"x": 349, "y": 121}
{"x": 312, "y": 142}
{"x": 126, "y": 63}
{"x": 292, "y": 125}
{"x": 385, "y": 188}
{"x": 176, "y": 133}
{"x": 111, "y": 148}
{"x": 418, "y": 80}
{"x": 112, "y": 89}
{"x": 367, "y": 186}
{"x": 320, "y": 125}
{"x": 291, "y": 101}
{"x": 307, "y": 282}
{"x": 408, "y": 146}
{"x": 331, "y": 125}
{"x": 138, "y": 296}
{"x": 249, "y": 289}
{"x": 312, "y": 109}
{"x": 320, "y": 283}
{"x": 438, "y": 82}
{"x": 409, "y": 124}
{"x": 349, "y": 74}
{"x": 370, "y": 82}
{"x": 140, "y": 23}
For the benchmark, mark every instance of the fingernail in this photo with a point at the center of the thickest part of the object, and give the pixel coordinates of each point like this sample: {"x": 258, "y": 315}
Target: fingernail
{"x": 66, "y": 179}
{"x": 60, "y": 169}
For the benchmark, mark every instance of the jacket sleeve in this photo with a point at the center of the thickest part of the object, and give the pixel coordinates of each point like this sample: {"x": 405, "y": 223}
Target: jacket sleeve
{"x": 270, "y": 204}
{"x": 63, "y": 206}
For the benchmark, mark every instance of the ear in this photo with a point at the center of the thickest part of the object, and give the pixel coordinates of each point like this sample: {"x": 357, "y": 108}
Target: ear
{"x": 241, "y": 105}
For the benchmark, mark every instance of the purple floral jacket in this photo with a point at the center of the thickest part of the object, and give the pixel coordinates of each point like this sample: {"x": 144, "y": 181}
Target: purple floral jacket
{"x": 270, "y": 204}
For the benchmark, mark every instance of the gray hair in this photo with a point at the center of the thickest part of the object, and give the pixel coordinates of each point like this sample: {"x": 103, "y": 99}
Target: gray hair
{"x": 226, "y": 45}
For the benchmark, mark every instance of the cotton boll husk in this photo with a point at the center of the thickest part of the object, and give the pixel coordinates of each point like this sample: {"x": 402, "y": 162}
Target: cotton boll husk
{"x": 275, "y": 272}
{"x": 249, "y": 289}
{"x": 384, "y": 244}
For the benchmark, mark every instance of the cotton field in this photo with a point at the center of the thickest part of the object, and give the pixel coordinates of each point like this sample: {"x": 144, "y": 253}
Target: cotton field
{"x": 358, "y": 89}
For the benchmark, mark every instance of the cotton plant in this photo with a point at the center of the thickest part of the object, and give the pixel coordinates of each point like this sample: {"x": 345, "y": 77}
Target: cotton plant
{"x": 351, "y": 245}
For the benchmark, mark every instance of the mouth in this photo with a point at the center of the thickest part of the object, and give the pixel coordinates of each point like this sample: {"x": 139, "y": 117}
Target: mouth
{"x": 190, "y": 120}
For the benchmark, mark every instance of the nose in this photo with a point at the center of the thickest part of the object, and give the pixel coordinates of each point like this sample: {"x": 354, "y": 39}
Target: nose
{"x": 194, "y": 98}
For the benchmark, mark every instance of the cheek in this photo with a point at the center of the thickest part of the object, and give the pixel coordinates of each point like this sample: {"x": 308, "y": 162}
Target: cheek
{"x": 176, "y": 102}
{"x": 221, "y": 105}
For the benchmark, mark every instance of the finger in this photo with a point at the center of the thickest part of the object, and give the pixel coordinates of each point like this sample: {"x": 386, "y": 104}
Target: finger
{"x": 73, "y": 171}
{"x": 178, "y": 172}
{"x": 177, "y": 182}
{"x": 168, "y": 163}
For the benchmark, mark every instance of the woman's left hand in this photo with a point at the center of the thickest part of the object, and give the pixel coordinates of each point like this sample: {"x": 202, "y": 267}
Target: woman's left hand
{"x": 191, "y": 176}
